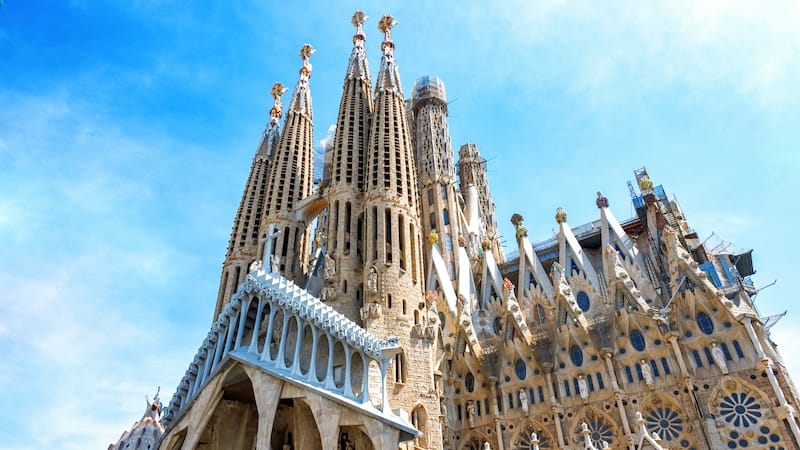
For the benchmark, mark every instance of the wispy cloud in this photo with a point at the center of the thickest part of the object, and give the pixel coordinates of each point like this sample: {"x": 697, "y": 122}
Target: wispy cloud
{"x": 85, "y": 297}
{"x": 603, "y": 50}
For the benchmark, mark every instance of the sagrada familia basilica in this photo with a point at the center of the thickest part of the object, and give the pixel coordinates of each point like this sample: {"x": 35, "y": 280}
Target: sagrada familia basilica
{"x": 375, "y": 308}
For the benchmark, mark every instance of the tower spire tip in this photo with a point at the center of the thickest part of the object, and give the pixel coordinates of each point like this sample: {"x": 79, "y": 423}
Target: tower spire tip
{"x": 359, "y": 17}
{"x": 305, "y": 54}
{"x": 386, "y": 24}
{"x": 278, "y": 90}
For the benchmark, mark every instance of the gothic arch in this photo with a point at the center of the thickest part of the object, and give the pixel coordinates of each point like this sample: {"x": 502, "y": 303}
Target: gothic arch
{"x": 601, "y": 427}
{"x": 744, "y": 416}
{"x": 522, "y": 440}
{"x": 294, "y": 425}
{"x": 352, "y": 438}
{"x": 474, "y": 441}
{"x": 419, "y": 419}
{"x": 664, "y": 416}
{"x": 233, "y": 424}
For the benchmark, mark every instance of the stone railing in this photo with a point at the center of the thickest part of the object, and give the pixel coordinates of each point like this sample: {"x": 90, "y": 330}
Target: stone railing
{"x": 272, "y": 323}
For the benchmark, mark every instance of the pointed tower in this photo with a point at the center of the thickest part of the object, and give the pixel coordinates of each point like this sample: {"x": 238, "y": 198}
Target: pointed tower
{"x": 145, "y": 433}
{"x": 243, "y": 244}
{"x": 435, "y": 167}
{"x": 344, "y": 261}
{"x": 291, "y": 179}
{"x": 394, "y": 304}
{"x": 473, "y": 182}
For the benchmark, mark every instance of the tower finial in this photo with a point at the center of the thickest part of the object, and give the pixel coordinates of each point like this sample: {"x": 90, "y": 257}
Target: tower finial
{"x": 276, "y": 111}
{"x": 305, "y": 54}
{"x": 385, "y": 25}
{"x": 359, "y": 17}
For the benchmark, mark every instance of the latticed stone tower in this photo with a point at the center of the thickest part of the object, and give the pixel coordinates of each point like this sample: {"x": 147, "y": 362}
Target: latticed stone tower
{"x": 345, "y": 243}
{"x": 472, "y": 174}
{"x": 291, "y": 179}
{"x": 394, "y": 277}
{"x": 243, "y": 244}
{"x": 435, "y": 167}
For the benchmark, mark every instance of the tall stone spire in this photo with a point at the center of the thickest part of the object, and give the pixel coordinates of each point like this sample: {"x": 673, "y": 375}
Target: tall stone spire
{"x": 345, "y": 241}
{"x": 243, "y": 243}
{"x": 388, "y": 75}
{"x": 291, "y": 180}
{"x": 394, "y": 303}
{"x": 472, "y": 175}
{"x": 435, "y": 168}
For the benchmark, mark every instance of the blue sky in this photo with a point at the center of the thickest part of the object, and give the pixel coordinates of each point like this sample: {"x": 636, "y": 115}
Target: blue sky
{"x": 127, "y": 129}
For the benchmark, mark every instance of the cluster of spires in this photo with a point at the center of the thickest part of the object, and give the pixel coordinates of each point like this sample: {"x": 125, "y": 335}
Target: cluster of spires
{"x": 270, "y": 225}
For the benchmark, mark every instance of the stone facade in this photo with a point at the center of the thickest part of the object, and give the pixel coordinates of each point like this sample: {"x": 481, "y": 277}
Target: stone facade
{"x": 404, "y": 325}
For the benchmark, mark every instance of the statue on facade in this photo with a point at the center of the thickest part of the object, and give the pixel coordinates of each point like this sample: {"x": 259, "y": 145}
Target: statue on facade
{"x": 330, "y": 266}
{"x": 523, "y": 399}
{"x": 583, "y": 388}
{"x": 471, "y": 413}
{"x": 275, "y": 263}
{"x": 647, "y": 373}
{"x": 372, "y": 280}
{"x": 433, "y": 321}
{"x": 719, "y": 357}
{"x": 255, "y": 266}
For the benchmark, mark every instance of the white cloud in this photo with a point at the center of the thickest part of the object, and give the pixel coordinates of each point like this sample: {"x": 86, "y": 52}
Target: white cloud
{"x": 84, "y": 279}
{"x": 601, "y": 51}
{"x": 328, "y": 136}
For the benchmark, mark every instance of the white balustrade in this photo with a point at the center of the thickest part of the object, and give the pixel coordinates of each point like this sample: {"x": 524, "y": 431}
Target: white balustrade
{"x": 272, "y": 291}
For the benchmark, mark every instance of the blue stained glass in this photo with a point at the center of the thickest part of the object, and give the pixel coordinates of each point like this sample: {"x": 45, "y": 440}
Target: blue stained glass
{"x": 655, "y": 368}
{"x": 697, "y": 360}
{"x": 665, "y": 365}
{"x": 740, "y": 410}
{"x": 666, "y": 422}
{"x": 710, "y": 358}
{"x": 726, "y": 351}
{"x": 637, "y": 340}
{"x": 738, "y": 349}
{"x": 525, "y": 442}
{"x": 583, "y": 301}
{"x": 705, "y": 323}
{"x": 576, "y": 354}
{"x": 599, "y": 431}
{"x": 520, "y": 369}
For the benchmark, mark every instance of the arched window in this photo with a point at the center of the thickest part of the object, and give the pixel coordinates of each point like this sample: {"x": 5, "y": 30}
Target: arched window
{"x": 521, "y": 369}
{"x": 399, "y": 368}
{"x": 637, "y": 340}
{"x": 419, "y": 419}
{"x": 576, "y": 354}
{"x": 469, "y": 382}
{"x": 583, "y": 301}
{"x": 705, "y": 323}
